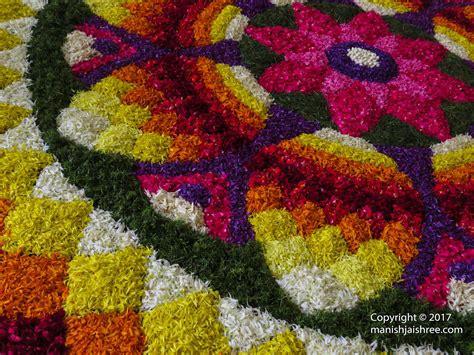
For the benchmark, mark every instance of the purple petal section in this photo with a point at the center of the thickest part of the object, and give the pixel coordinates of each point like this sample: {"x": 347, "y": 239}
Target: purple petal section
{"x": 195, "y": 193}
{"x": 226, "y": 51}
{"x": 283, "y": 124}
{"x": 463, "y": 271}
{"x": 250, "y": 8}
{"x": 416, "y": 163}
{"x": 105, "y": 46}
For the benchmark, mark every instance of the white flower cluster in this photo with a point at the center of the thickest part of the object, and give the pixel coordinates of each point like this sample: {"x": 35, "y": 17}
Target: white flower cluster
{"x": 368, "y": 5}
{"x": 452, "y": 46}
{"x": 80, "y": 126}
{"x": 318, "y": 343}
{"x": 166, "y": 283}
{"x": 459, "y": 142}
{"x": 286, "y": 2}
{"x": 235, "y": 29}
{"x": 246, "y": 327}
{"x": 24, "y": 136}
{"x": 461, "y": 296}
{"x": 312, "y": 289}
{"x": 35, "y": 4}
{"x": 171, "y": 205}
{"x": 103, "y": 234}
{"x": 250, "y": 83}
{"x": 363, "y": 57}
{"x": 52, "y": 184}
{"x": 344, "y": 139}
{"x": 78, "y": 47}
{"x": 17, "y": 94}
{"x": 22, "y": 27}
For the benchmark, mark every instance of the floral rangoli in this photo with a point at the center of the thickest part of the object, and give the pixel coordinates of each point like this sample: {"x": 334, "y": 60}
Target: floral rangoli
{"x": 236, "y": 176}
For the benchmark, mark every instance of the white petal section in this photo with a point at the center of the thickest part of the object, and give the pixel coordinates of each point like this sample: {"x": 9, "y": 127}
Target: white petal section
{"x": 461, "y": 296}
{"x": 286, "y": 2}
{"x": 452, "y": 46}
{"x": 15, "y": 58}
{"x": 407, "y": 349}
{"x": 366, "y": 5}
{"x": 104, "y": 234}
{"x": 17, "y": 93}
{"x": 24, "y": 136}
{"x": 316, "y": 342}
{"x": 52, "y": 184}
{"x": 246, "y": 326}
{"x": 80, "y": 126}
{"x": 250, "y": 83}
{"x": 315, "y": 289}
{"x": 456, "y": 143}
{"x": 22, "y": 28}
{"x": 166, "y": 283}
{"x": 35, "y": 4}
{"x": 335, "y": 136}
{"x": 78, "y": 47}
{"x": 236, "y": 27}
{"x": 171, "y": 205}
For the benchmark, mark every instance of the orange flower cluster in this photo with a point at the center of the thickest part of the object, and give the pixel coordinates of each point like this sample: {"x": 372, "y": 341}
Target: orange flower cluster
{"x": 263, "y": 198}
{"x": 460, "y": 175}
{"x": 132, "y": 74}
{"x": 202, "y": 26}
{"x": 144, "y": 96}
{"x": 308, "y": 217}
{"x": 160, "y": 123}
{"x": 31, "y": 285}
{"x": 142, "y": 11}
{"x": 401, "y": 241}
{"x": 347, "y": 166}
{"x": 355, "y": 231}
{"x": 105, "y": 333}
{"x": 185, "y": 147}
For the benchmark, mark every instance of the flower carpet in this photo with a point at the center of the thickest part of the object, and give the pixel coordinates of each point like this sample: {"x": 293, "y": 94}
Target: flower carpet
{"x": 236, "y": 176}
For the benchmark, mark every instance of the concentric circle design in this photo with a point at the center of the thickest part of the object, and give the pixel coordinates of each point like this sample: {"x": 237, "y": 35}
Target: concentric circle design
{"x": 362, "y": 62}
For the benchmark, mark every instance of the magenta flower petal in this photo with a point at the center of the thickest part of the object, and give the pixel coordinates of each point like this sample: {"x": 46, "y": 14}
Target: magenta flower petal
{"x": 353, "y": 110}
{"x": 290, "y": 76}
{"x": 282, "y": 40}
{"x": 424, "y": 114}
{"x": 369, "y": 26}
{"x": 334, "y": 82}
{"x": 379, "y": 92}
{"x": 430, "y": 53}
{"x": 312, "y": 20}
{"x": 443, "y": 86}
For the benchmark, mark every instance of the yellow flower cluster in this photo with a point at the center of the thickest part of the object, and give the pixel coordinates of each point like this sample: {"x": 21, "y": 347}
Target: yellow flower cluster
{"x": 188, "y": 325}
{"x": 353, "y": 153}
{"x": 44, "y": 227}
{"x": 107, "y": 282}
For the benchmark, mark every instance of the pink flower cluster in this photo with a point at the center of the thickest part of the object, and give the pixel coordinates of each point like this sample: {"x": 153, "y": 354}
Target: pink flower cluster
{"x": 449, "y": 251}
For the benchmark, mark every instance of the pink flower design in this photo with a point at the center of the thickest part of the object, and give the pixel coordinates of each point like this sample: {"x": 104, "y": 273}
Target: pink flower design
{"x": 363, "y": 71}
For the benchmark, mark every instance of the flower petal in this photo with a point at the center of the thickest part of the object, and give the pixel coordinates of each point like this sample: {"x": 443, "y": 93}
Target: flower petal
{"x": 424, "y": 114}
{"x": 312, "y": 20}
{"x": 439, "y": 85}
{"x": 369, "y": 26}
{"x": 282, "y": 40}
{"x": 430, "y": 53}
{"x": 353, "y": 110}
{"x": 334, "y": 82}
{"x": 289, "y": 76}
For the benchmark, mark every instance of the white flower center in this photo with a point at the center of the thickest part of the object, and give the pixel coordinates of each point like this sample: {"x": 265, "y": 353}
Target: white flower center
{"x": 363, "y": 57}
